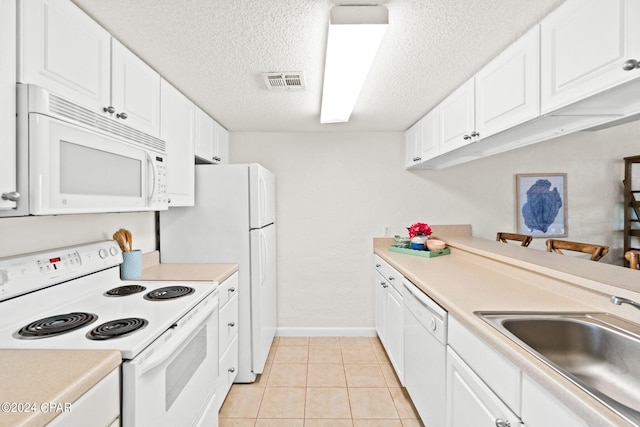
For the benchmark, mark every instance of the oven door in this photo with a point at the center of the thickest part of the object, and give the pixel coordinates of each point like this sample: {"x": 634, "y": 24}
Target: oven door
{"x": 76, "y": 170}
{"x": 173, "y": 381}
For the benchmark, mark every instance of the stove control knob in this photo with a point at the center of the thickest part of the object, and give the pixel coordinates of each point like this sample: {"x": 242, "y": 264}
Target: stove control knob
{"x": 102, "y": 253}
{"x": 113, "y": 251}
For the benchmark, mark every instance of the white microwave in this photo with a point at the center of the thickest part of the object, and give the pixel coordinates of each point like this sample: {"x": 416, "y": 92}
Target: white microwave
{"x": 73, "y": 160}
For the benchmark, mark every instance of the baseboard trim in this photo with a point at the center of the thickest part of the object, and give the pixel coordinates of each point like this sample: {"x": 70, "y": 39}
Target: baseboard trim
{"x": 325, "y": 332}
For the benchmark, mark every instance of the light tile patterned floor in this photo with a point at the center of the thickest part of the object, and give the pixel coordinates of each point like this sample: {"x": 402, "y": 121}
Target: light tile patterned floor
{"x": 322, "y": 382}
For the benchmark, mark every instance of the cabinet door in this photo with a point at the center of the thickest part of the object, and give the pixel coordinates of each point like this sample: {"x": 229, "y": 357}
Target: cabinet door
{"x": 457, "y": 118}
{"x": 584, "y": 45}
{"x": 63, "y": 50}
{"x": 8, "y": 159}
{"x": 381, "y": 287}
{"x": 508, "y": 88}
{"x": 177, "y": 129}
{"x": 205, "y": 136}
{"x": 395, "y": 331}
{"x": 135, "y": 89}
{"x": 221, "y": 145}
{"x": 539, "y": 409}
{"x": 430, "y": 134}
{"x": 413, "y": 138}
{"x": 469, "y": 401}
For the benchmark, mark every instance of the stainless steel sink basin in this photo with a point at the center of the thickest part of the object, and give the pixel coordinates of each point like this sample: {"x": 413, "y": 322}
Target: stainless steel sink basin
{"x": 598, "y": 352}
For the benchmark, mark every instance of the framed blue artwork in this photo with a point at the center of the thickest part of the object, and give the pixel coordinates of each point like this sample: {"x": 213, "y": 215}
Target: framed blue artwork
{"x": 542, "y": 204}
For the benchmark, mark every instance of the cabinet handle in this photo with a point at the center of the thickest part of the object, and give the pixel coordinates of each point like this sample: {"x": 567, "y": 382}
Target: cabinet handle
{"x": 474, "y": 134}
{"x": 417, "y": 159}
{"x": 12, "y": 196}
{"x": 466, "y": 137}
{"x": 122, "y": 116}
{"x": 231, "y": 324}
{"x": 631, "y": 64}
{"x": 502, "y": 423}
{"x": 392, "y": 278}
{"x": 216, "y": 158}
{"x": 232, "y": 370}
{"x": 231, "y": 290}
{"x": 384, "y": 285}
{"x": 109, "y": 109}
{"x": 378, "y": 265}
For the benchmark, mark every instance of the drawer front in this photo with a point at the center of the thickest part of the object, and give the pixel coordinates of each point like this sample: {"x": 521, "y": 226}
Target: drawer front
{"x": 381, "y": 266}
{"x": 228, "y": 323}
{"x": 497, "y": 372}
{"x": 228, "y": 372}
{"x": 394, "y": 278}
{"x": 227, "y": 289}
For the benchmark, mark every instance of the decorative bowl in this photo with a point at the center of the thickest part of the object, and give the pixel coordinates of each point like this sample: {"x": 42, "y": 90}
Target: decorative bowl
{"x": 435, "y": 245}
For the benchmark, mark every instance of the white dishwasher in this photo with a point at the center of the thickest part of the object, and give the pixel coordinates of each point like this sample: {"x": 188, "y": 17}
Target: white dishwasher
{"x": 425, "y": 340}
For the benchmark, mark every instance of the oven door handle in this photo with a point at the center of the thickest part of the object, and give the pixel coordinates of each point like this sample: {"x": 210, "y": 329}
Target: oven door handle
{"x": 180, "y": 335}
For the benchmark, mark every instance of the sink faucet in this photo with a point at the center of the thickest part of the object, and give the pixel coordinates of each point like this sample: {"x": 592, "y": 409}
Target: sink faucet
{"x": 620, "y": 300}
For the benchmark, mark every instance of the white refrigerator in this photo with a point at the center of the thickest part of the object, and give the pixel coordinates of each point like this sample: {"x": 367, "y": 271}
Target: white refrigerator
{"x": 233, "y": 221}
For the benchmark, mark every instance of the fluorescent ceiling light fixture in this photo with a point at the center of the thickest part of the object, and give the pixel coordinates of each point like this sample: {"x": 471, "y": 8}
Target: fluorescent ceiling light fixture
{"x": 355, "y": 33}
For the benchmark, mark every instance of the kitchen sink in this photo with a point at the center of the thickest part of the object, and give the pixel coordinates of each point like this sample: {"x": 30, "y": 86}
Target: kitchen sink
{"x": 598, "y": 352}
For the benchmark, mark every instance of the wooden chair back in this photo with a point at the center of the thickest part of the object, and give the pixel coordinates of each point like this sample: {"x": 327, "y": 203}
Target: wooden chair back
{"x": 524, "y": 239}
{"x": 596, "y": 251}
{"x": 634, "y": 259}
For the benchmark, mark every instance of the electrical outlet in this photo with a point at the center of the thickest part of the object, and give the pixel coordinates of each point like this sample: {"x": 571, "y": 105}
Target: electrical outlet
{"x": 387, "y": 230}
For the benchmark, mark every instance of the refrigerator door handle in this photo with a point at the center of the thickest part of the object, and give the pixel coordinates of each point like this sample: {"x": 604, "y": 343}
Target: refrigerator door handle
{"x": 263, "y": 258}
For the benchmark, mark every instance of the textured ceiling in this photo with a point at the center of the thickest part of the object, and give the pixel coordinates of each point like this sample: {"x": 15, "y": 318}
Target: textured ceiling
{"x": 214, "y": 51}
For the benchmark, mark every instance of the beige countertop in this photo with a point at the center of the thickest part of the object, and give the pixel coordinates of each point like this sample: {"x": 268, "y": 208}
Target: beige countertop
{"x": 40, "y": 377}
{"x": 189, "y": 272}
{"x": 152, "y": 269}
{"x": 483, "y": 275}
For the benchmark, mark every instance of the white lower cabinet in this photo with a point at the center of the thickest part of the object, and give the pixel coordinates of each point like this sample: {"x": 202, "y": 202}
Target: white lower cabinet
{"x": 539, "y": 409}
{"x": 390, "y": 314}
{"x": 395, "y": 318}
{"x": 228, "y": 337}
{"x": 470, "y": 402}
{"x": 99, "y": 406}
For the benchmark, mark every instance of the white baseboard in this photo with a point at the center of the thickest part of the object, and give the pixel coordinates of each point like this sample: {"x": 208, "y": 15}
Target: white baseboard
{"x": 325, "y": 332}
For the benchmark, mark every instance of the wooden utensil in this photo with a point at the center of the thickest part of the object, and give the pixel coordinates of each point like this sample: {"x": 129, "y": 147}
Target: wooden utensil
{"x": 118, "y": 237}
{"x": 129, "y": 239}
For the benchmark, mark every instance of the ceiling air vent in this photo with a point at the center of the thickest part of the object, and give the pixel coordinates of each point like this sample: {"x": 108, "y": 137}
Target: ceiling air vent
{"x": 284, "y": 81}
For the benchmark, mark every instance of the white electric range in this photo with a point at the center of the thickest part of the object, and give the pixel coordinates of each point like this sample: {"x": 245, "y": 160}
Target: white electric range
{"x": 166, "y": 332}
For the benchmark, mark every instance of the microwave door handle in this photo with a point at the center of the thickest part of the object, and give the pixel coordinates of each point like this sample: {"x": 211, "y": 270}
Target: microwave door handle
{"x": 153, "y": 179}
{"x": 181, "y": 335}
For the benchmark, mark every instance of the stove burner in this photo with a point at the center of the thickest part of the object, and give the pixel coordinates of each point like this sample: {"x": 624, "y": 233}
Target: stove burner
{"x": 56, "y": 325}
{"x": 116, "y": 328}
{"x": 122, "y": 291}
{"x": 170, "y": 292}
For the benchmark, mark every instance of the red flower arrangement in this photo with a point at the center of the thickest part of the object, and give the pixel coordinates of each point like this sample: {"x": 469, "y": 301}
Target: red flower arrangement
{"x": 419, "y": 229}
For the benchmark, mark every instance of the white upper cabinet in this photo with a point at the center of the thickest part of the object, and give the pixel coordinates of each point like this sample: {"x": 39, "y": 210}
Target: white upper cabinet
{"x": 135, "y": 90}
{"x": 205, "y": 134}
{"x": 177, "y": 129}
{"x": 430, "y": 146}
{"x": 508, "y": 88}
{"x": 588, "y": 46}
{"x": 221, "y": 145}
{"x": 63, "y": 50}
{"x": 8, "y": 171}
{"x": 413, "y": 138}
{"x": 457, "y": 118}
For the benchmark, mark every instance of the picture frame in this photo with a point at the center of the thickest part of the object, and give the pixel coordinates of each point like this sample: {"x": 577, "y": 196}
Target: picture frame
{"x": 541, "y": 204}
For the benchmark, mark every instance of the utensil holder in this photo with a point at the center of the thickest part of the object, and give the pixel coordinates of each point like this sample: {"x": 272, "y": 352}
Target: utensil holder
{"x": 131, "y": 267}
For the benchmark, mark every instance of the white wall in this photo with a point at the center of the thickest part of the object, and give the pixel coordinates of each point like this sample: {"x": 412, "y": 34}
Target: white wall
{"x": 29, "y": 234}
{"x": 336, "y": 191}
